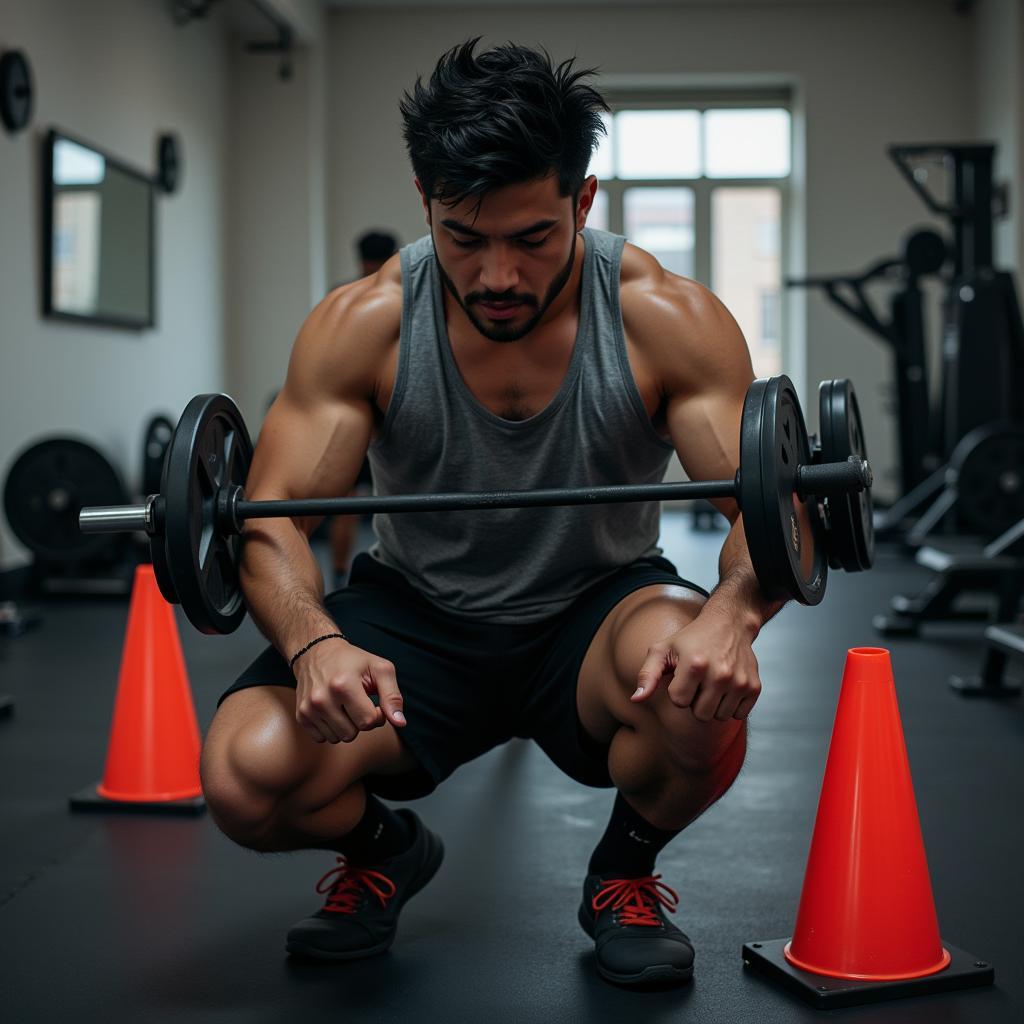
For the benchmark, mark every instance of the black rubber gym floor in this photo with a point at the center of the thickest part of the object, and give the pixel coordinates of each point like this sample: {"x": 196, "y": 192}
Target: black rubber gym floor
{"x": 113, "y": 918}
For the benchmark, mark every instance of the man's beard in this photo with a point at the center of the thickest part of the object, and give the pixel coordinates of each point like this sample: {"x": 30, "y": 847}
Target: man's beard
{"x": 496, "y": 331}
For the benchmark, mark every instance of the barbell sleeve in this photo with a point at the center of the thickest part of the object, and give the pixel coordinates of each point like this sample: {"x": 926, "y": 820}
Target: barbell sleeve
{"x": 831, "y": 478}
{"x": 115, "y": 518}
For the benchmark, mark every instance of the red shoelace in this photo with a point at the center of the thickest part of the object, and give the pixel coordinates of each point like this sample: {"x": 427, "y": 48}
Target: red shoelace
{"x": 637, "y": 899}
{"x": 346, "y": 884}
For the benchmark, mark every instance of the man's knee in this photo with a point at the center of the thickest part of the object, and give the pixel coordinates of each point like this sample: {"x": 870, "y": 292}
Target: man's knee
{"x": 257, "y": 764}
{"x": 645, "y": 618}
{"x": 618, "y": 651}
{"x": 717, "y": 759}
{"x": 264, "y": 778}
{"x": 245, "y": 780}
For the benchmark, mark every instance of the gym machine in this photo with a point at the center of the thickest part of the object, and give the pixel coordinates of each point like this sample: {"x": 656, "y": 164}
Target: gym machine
{"x": 994, "y": 573}
{"x": 980, "y": 487}
{"x": 903, "y": 331}
{"x": 982, "y": 372}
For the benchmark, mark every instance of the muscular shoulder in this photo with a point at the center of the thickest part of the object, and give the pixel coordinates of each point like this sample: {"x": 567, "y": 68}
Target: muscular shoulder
{"x": 681, "y": 330}
{"x": 349, "y": 336}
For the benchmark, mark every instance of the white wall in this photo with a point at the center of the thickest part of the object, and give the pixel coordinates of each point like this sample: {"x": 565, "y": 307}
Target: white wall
{"x": 117, "y": 73}
{"x": 276, "y": 210}
{"x": 866, "y": 74}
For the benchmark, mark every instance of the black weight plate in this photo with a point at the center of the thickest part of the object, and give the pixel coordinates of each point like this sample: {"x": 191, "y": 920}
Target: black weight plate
{"x": 924, "y": 252}
{"x": 210, "y": 449}
{"x": 851, "y": 534}
{"x": 162, "y": 568}
{"x": 15, "y": 90}
{"x": 989, "y": 467}
{"x": 48, "y": 485}
{"x": 784, "y": 533}
{"x": 155, "y": 443}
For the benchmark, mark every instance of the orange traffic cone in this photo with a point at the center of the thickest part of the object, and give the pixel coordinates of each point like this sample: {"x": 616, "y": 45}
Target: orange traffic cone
{"x": 866, "y": 926}
{"x": 153, "y": 753}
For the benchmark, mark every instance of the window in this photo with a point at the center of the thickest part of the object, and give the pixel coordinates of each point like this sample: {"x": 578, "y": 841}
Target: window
{"x": 703, "y": 188}
{"x": 770, "y": 319}
{"x": 660, "y": 220}
{"x": 745, "y": 266}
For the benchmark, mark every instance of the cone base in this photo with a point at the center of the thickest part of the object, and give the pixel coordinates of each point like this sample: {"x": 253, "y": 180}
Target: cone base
{"x": 810, "y": 968}
{"x": 88, "y": 799}
{"x": 825, "y": 993}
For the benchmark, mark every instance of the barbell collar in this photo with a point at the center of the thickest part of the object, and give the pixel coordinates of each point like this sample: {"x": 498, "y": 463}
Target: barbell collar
{"x": 228, "y": 499}
{"x": 466, "y": 501}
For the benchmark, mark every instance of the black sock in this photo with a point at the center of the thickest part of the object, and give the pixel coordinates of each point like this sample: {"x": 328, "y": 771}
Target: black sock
{"x": 380, "y": 834}
{"x": 629, "y": 845}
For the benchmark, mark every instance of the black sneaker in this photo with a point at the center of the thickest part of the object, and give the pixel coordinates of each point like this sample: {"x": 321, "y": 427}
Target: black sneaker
{"x": 360, "y": 917}
{"x": 634, "y": 942}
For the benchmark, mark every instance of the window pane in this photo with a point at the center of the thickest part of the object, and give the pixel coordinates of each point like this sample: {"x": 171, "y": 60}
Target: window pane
{"x": 660, "y": 220}
{"x": 746, "y": 143}
{"x": 601, "y": 161}
{"x": 745, "y": 268}
{"x": 657, "y": 143}
{"x": 598, "y": 216}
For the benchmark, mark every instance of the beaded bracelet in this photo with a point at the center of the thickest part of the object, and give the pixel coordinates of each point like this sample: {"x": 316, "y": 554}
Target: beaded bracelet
{"x": 313, "y": 643}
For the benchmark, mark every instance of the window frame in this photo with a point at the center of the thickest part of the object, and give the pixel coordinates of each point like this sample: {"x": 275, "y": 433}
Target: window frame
{"x": 703, "y": 187}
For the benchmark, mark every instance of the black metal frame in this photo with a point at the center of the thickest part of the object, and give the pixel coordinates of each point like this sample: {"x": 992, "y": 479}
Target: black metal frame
{"x": 130, "y": 323}
{"x": 1004, "y": 641}
{"x": 995, "y": 571}
{"x": 970, "y": 208}
{"x": 904, "y": 334}
{"x": 767, "y": 958}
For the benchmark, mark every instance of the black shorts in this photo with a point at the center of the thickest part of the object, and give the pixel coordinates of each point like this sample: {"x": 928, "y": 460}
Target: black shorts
{"x": 469, "y": 686}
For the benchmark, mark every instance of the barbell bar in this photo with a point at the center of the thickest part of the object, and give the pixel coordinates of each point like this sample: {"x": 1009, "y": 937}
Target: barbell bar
{"x": 819, "y": 480}
{"x": 792, "y": 499}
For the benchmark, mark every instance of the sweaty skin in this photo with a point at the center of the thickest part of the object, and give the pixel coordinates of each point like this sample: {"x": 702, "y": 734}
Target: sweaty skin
{"x": 502, "y": 264}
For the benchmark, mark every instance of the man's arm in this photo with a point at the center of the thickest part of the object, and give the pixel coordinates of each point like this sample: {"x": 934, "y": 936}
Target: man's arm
{"x": 312, "y": 444}
{"x": 698, "y": 356}
{"x": 704, "y": 411}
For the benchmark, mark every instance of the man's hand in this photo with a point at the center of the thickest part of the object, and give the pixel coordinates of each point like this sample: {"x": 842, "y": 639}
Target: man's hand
{"x": 709, "y": 667}
{"x": 334, "y": 684}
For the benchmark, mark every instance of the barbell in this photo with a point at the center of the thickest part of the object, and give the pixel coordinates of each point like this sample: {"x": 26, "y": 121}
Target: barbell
{"x": 805, "y": 506}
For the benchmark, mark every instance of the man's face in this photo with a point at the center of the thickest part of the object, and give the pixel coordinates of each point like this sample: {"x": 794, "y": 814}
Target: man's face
{"x": 506, "y": 262}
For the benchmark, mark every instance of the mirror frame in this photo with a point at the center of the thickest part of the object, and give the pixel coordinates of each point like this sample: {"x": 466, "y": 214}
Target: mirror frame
{"x": 135, "y": 323}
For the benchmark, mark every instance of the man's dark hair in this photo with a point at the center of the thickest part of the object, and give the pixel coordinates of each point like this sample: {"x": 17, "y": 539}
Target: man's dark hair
{"x": 377, "y": 245}
{"x": 501, "y": 117}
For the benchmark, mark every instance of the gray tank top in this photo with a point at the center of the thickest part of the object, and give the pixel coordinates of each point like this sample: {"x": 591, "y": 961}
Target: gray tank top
{"x": 514, "y": 565}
